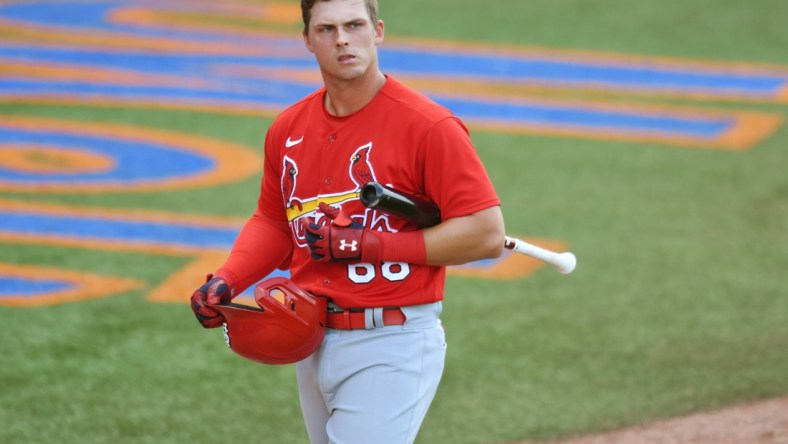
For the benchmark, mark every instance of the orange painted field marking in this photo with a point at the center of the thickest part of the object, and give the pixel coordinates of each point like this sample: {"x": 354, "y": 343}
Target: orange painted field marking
{"x": 176, "y": 288}
{"x": 230, "y": 19}
{"x": 42, "y": 159}
{"x": 120, "y": 42}
{"x": 179, "y": 286}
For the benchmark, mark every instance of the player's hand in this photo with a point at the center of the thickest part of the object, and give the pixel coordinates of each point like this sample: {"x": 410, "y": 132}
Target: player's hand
{"x": 214, "y": 291}
{"x": 342, "y": 240}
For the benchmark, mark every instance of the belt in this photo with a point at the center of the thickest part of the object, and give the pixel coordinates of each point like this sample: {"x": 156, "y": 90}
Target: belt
{"x": 365, "y": 318}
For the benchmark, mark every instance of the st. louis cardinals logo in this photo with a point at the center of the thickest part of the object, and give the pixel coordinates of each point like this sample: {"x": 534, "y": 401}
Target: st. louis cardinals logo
{"x": 361, "y": 171}
{"x": 289, "y": 173}
{"x": 301, "y": 209}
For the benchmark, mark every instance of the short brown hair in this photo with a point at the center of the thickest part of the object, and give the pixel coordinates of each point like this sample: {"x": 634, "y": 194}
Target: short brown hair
{"x": 307, "y": 5}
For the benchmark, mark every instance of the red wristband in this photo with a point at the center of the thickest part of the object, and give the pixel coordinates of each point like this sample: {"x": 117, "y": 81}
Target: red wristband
{"x": 407, "y": 246}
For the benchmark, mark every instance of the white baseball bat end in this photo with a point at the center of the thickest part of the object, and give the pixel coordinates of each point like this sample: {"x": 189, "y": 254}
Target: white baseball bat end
{"x": 567, "y": 264}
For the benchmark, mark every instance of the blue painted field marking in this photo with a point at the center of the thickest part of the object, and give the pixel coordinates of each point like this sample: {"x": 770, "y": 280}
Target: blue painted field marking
{"x": 134, "y": 160}
{"x": 137, "y": 232}
{"x": 30, "y": 288}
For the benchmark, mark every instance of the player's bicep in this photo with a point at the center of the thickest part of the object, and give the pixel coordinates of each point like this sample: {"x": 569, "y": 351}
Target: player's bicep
{"x": 454, "y": 176}
{"x": 270, "y": 202}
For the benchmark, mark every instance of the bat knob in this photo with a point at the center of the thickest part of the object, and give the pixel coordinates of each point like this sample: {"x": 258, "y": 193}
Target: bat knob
{"x": 568, "y": 261}
{"x": 371, "y": 193}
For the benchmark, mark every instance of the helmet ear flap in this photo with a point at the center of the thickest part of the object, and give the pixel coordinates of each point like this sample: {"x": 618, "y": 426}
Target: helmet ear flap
{"x": 288, "y": 326}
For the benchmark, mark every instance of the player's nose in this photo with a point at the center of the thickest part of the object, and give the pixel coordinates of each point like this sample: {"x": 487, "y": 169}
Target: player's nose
{"x": 342, "y": 39}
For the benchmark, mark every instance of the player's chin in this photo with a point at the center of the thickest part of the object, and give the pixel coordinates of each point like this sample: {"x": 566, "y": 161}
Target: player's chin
{"x": 348, "y": 75}
{"x": 350, "y": 71}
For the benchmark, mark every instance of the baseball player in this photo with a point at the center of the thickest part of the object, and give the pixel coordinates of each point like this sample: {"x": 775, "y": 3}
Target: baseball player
{"x": 380, "y": 362}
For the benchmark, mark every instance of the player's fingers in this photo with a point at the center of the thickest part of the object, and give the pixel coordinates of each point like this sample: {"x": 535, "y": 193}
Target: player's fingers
{"x": 316, "y": 239}
{"x": 317, "y": 252}
{"x": 201, "y": 309}
{"x": 209, "y": 321}
{"x": 314, "y": 233}
{"x": 328, "y": 210}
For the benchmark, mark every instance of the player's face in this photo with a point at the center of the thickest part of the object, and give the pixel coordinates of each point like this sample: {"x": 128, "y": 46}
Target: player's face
{"x": 343, "y": 39}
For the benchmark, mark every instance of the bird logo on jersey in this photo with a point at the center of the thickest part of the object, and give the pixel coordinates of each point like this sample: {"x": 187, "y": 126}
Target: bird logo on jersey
{"x": 361, "y": 171}
{"x": 289, "y": 173}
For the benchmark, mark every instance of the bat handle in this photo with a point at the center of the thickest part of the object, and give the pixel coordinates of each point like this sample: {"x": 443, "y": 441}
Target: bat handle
{"x": 564, "y": 262}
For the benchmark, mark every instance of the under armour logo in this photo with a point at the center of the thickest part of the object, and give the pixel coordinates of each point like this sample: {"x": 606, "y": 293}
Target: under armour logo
{"x": 343, "y": 244}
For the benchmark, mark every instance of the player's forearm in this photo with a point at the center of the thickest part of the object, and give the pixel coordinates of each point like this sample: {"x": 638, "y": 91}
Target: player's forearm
{"x": 466, "y": 239}
{"x": 261, "y": 247}
{"x": 455, "y": 241}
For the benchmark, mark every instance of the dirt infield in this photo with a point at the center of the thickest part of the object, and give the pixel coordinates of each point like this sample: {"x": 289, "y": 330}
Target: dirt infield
{"x": 759, "y": 423}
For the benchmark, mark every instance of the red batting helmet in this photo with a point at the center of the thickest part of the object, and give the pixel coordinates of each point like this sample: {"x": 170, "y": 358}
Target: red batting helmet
{"x": 288, "y": 326}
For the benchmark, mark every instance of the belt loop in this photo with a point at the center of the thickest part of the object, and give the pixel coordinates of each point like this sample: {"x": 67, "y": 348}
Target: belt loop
{"x": 369, "y": 320}
{"x": 377, "y": 317}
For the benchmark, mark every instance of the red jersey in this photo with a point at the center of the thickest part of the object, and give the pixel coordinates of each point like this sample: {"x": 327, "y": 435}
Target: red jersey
{"x": 401, "y": 139}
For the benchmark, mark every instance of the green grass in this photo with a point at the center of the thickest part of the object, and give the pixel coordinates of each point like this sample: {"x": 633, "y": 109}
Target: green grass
{"x": 677, "y": 304}
{"x": 705, "y": 29}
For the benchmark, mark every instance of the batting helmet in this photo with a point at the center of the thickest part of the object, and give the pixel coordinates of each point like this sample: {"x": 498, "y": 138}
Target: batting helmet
{"x": 288, "y": 326}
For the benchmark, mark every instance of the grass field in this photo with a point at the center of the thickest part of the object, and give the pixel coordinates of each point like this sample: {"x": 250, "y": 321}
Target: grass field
{"x": 678, "y": 303}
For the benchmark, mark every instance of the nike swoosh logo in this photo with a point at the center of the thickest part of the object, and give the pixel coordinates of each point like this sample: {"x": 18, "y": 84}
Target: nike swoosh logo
{"x": 291, "y": 143}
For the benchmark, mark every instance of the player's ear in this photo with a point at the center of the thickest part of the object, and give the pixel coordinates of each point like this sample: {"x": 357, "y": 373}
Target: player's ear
{"x": 379, "y": 32}
{"x": 306, "y": 41}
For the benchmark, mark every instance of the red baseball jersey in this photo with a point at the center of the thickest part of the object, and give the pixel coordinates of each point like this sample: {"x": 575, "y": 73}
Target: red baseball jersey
{"x": 401, "y": 139}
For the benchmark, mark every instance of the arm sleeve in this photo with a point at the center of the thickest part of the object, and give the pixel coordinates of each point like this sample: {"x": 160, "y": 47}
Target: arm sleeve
{"x": 264, "y": 243}
{"x": 454, "y": 176}
{"x": 262, "y": 246}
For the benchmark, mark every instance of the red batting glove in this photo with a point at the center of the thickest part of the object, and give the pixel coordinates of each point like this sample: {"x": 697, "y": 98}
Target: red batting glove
{"x": 214, "y": 291}
{"x": 342, "y": 240}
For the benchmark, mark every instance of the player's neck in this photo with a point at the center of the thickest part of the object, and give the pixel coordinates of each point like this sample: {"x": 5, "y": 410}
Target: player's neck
{"x": 345, "y": 97}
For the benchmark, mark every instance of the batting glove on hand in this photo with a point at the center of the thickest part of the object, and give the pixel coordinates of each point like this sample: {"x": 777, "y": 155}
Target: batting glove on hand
{"x": 214, "y": 291}
{"x": 342, "y": 240}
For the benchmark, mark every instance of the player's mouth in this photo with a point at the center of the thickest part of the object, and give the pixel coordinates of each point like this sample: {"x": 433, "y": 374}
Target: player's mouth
{"x": 346, "y": 58}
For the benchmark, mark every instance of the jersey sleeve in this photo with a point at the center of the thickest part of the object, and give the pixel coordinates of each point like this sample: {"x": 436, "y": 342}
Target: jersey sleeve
{"x": 264, "y": 242}
{"x": 454, "y": 176}
{"x": 270, "y": 202}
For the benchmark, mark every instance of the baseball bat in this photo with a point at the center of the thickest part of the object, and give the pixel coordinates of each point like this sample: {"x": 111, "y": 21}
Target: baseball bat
{"x": 426, "y": 214}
